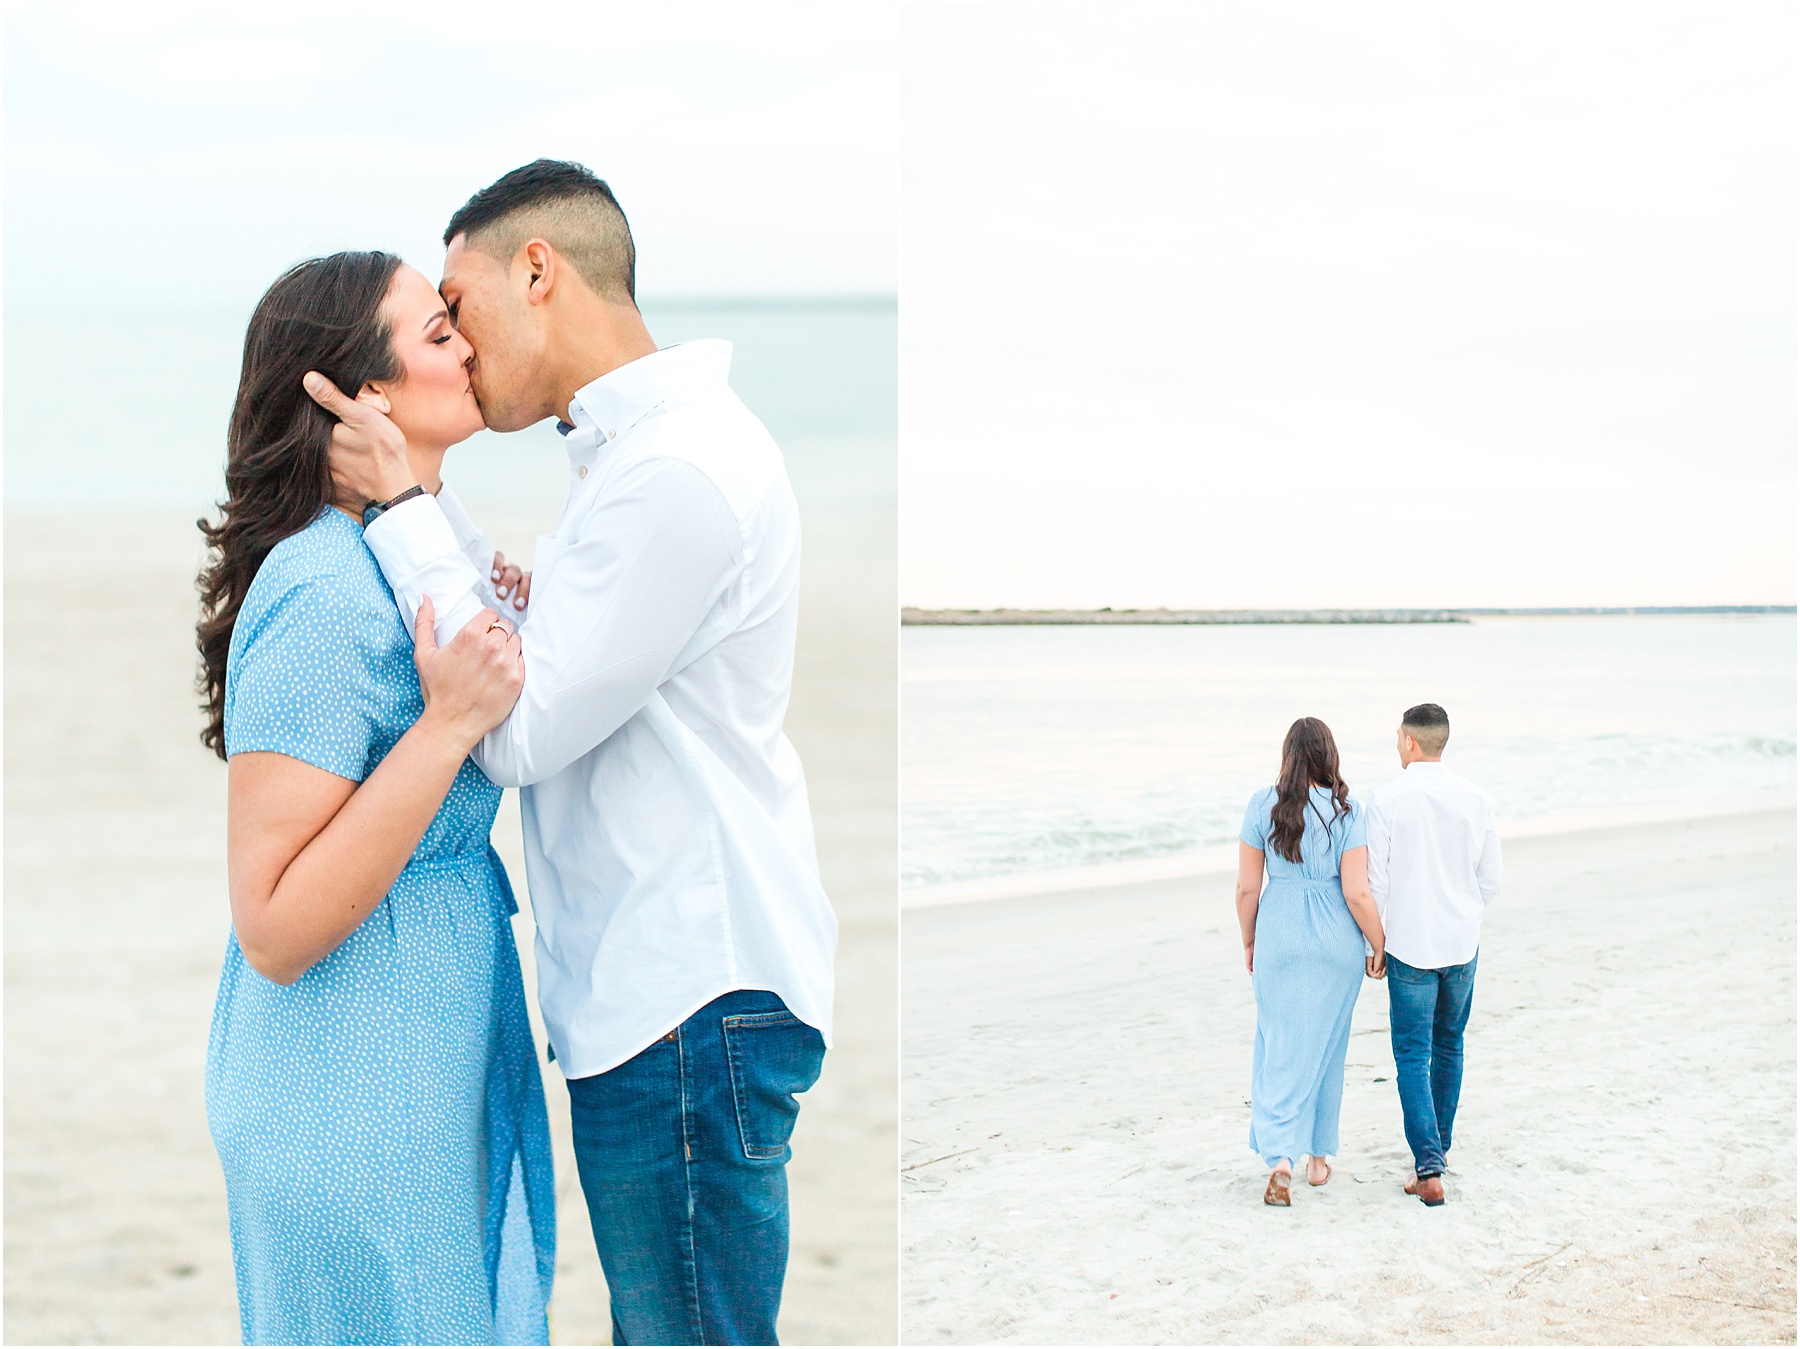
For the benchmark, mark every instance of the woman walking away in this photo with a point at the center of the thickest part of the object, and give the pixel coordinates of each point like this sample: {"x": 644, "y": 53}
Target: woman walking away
{"x": 1304, "y": 946}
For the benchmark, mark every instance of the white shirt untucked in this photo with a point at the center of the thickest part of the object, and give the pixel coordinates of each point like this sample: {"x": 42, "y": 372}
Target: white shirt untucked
{"x": 1434, "y": 864}
{"x": 668, "y": 839}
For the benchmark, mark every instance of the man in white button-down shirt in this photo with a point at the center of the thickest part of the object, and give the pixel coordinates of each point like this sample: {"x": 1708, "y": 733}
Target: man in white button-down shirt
{"x": 1434, "y": 866}
{"x": 685, "y": 946}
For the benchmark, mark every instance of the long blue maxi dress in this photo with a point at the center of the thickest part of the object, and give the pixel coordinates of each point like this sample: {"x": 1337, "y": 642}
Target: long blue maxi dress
{"x": 381, "y": 1121}
{"x": 1308, "y": 971}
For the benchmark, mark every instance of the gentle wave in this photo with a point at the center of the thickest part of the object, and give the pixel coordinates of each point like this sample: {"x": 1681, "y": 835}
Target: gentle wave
{"x": 966, "y": 840}
{"x": 1019, "y": 766}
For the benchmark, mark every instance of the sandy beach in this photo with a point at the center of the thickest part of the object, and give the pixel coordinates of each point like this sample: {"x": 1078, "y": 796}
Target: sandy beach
{"x": 1075, "y": 1099}
{"x": 116, "y": 917}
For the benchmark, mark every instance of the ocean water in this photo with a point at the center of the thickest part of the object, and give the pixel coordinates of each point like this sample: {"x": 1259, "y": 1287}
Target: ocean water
{"x": 126, "y": 410}
{"x": 1025, "y": 749}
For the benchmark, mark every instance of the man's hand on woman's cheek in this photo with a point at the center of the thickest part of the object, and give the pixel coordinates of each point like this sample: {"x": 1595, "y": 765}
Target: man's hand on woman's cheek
{"x": 368, "y": 452}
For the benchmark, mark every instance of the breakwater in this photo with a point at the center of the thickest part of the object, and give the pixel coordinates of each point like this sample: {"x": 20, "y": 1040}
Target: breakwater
{"x": 977, "y": 618}
{"x": 1085, "y": 617}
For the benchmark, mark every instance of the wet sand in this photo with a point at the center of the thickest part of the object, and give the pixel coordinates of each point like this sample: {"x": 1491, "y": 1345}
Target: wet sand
{"x": 116, "y": 918}
{"x": 1076, "y": 1086}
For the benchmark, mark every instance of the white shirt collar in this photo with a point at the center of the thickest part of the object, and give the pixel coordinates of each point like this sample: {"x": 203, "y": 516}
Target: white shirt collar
{"x": 609, "y": 405}
{"x": 1427, "y": 765}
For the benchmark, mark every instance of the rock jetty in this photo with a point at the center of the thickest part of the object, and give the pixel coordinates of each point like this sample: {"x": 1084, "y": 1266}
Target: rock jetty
{"x": 1072, "y": 617}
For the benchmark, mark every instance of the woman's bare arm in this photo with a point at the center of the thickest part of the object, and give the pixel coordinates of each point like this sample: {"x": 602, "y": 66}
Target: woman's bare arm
{"x": 311, "y": 854}
{"x": 1353, "y": 871}
{"x": 1249, "y": 896}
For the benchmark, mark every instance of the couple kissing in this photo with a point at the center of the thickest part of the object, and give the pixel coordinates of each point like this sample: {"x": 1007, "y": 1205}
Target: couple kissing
{"x": 375, "y": 674}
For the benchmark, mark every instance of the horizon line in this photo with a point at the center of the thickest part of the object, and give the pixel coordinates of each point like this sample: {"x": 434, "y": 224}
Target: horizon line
{"x": 798, "y": 299}
{"x": 912, "y": 616}
{"x": 793, "y": 300}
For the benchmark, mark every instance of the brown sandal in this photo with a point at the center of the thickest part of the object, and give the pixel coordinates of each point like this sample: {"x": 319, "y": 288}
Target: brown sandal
{"x": 1326, "y": 1165}
{"x": 1277, "y": 1193}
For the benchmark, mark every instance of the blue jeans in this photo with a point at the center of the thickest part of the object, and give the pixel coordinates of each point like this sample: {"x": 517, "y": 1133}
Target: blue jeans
{"x": 1427, "y": 1011}
{"x": 683, "y": 1154}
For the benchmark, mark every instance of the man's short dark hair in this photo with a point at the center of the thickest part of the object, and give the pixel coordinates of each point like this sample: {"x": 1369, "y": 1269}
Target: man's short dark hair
{"x": 563, "y": 204}
{"x": 1428, "y": 724}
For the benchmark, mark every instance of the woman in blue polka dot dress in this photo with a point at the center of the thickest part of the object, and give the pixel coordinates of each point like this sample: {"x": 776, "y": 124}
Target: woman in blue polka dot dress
{"x": 1310, "y": 936}
{"x": 371, "y": 1082}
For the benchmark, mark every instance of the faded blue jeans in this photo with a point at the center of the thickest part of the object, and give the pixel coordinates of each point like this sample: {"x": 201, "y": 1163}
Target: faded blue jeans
{"x": 1427, "y": 1011}
{"x": 683, "y": 1154}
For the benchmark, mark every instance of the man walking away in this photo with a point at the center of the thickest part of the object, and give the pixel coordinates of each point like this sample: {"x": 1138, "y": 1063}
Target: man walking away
{"x": 1434, "y": 867}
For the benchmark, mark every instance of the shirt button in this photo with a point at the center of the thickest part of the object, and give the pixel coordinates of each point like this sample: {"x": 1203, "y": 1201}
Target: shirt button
{"x": 581, "y": 472}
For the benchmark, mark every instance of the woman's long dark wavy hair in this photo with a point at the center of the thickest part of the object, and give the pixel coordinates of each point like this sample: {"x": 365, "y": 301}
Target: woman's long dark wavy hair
{"x": 1309, "y": 758}
{"x": 325, "y": 315}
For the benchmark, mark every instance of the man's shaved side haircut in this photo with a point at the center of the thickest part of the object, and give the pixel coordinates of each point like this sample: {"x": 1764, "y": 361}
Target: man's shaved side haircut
{"x": 1428, "y": 724}
{"x": 567, "y": 207}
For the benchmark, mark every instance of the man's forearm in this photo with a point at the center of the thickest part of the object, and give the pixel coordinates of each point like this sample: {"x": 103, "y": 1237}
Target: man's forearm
{"x": 552, "y": 725}
{"x": 623, "y": 599}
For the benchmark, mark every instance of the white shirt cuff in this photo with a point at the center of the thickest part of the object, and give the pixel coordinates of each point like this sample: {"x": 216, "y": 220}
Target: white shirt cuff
{"x": 475, "y": 545}
{"x": 480, "y": 550}
{"x": 419, "y": 554}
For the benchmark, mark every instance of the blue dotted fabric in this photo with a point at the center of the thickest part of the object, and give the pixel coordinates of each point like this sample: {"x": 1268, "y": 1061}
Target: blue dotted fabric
{"x": 381, "y": 1122}
{"x": 1327, "y": 838}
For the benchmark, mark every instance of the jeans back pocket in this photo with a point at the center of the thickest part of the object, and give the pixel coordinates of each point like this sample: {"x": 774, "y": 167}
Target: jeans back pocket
{"x": 774, "y": 1056}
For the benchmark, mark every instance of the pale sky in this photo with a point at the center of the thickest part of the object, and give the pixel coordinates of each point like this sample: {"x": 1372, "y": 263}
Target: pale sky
{"x": 1238, "y": 305}
{"x": 184, "y": 154}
